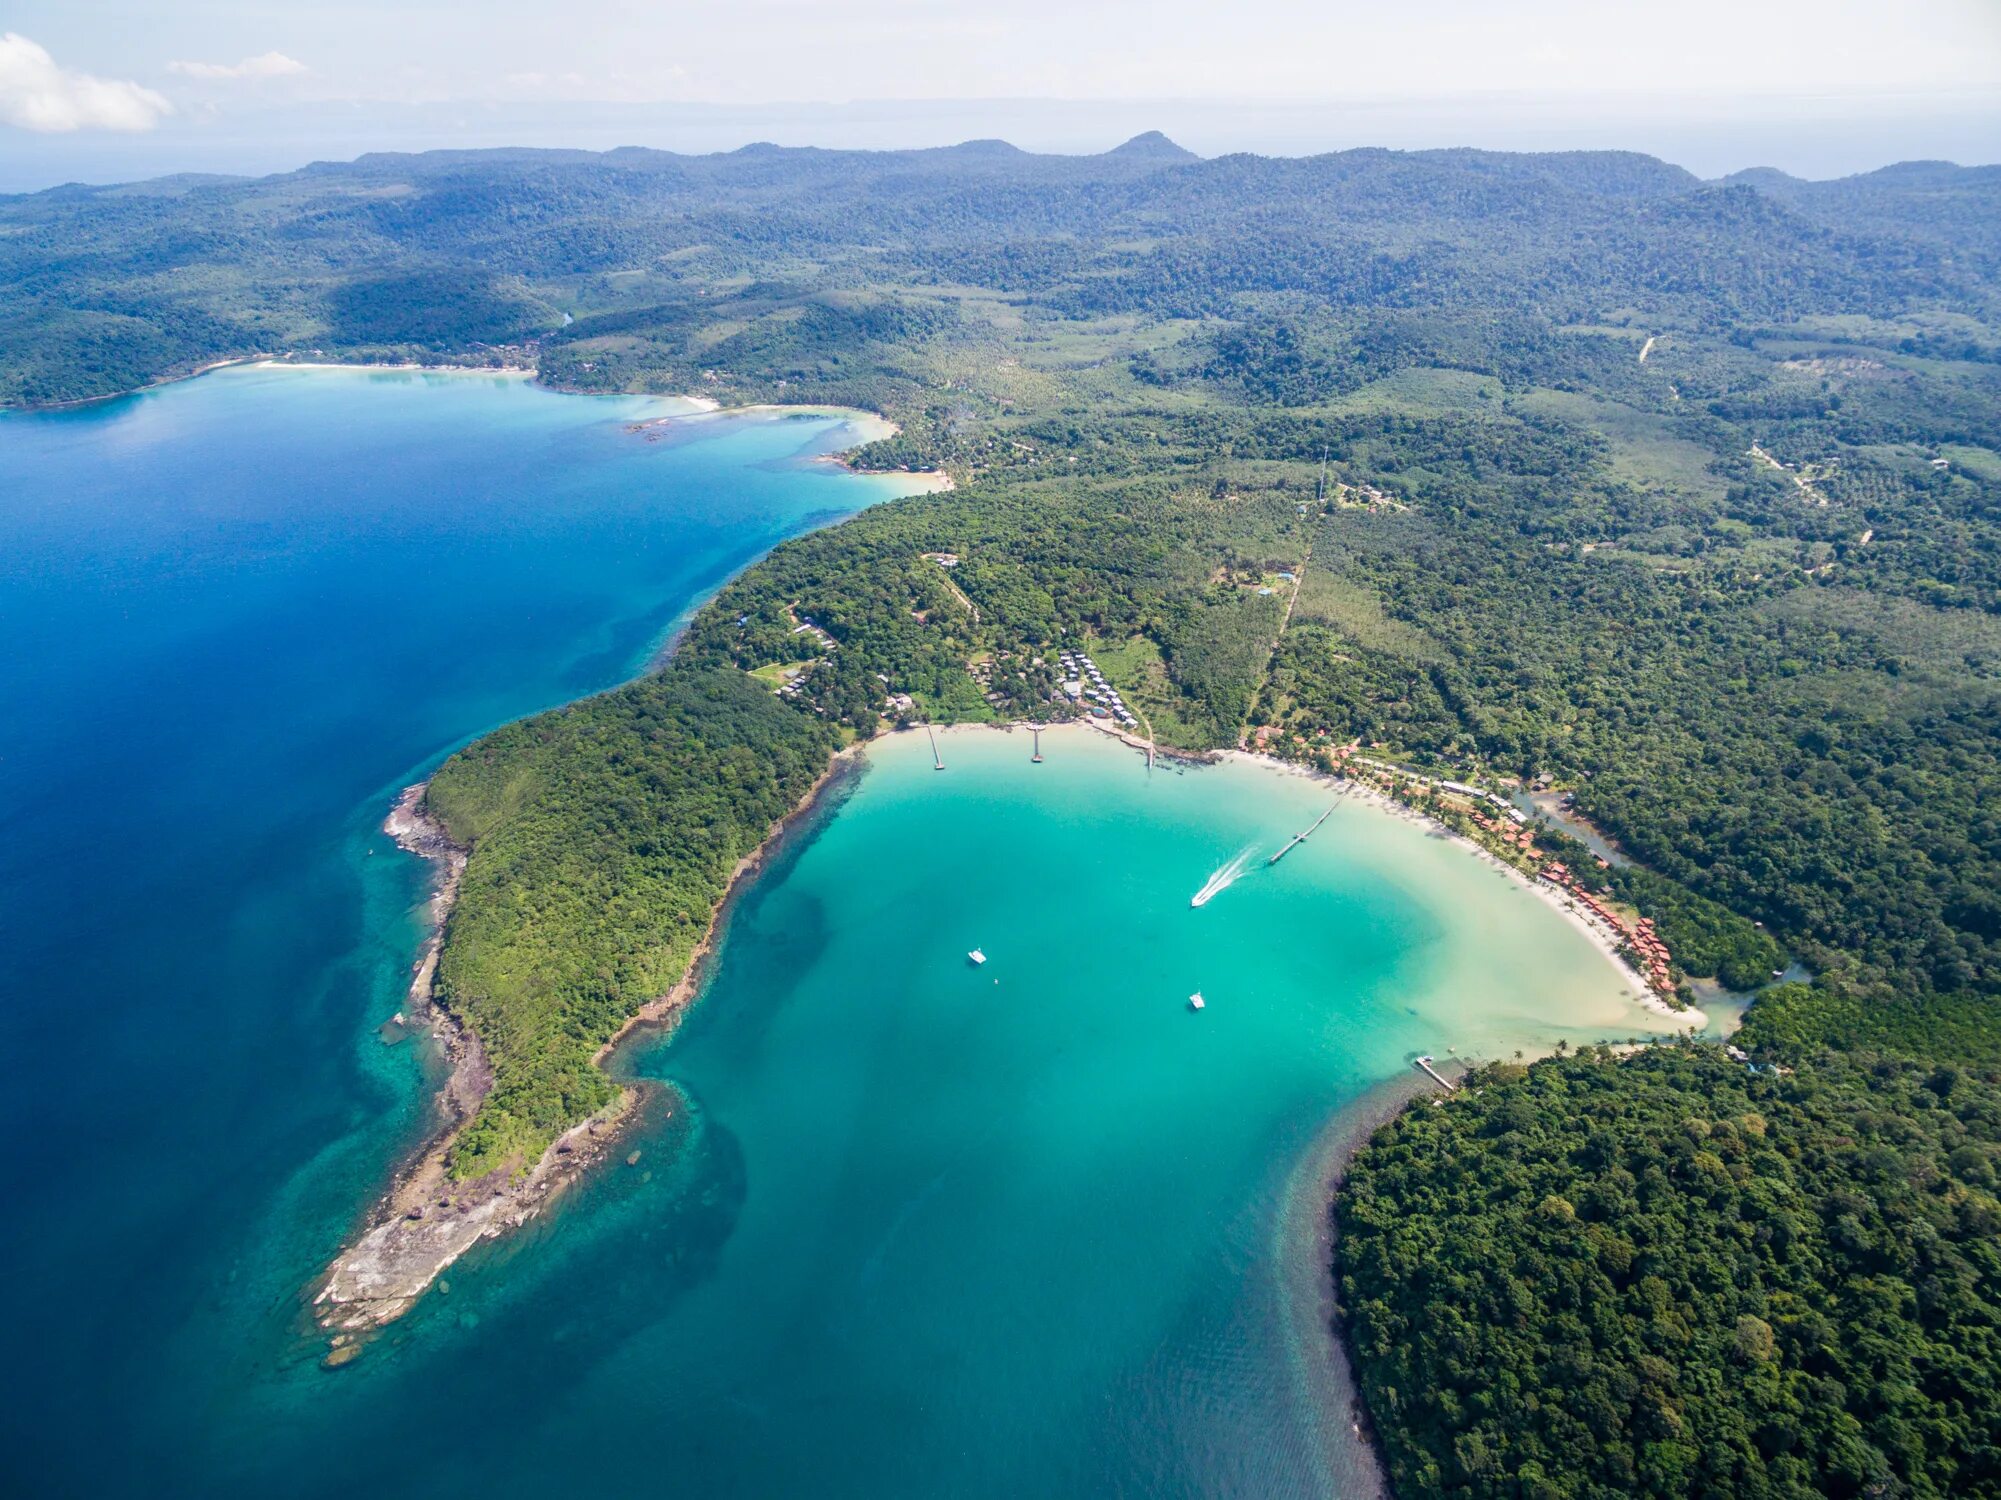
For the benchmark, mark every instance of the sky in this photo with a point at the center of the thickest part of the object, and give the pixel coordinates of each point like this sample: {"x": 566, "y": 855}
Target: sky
{"x": 98, "y": 90}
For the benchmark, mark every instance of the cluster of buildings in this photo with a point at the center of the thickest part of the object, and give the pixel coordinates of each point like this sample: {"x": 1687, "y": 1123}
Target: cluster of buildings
{"x": 820, "y": 637}
{"x": 1653, "y": 955}
{"x": 1508, "y": 826}
{"x": 1510, "y": 830}
{"x": 1473, "y": 794}
{"x": 1365, "y": 497}
{"x": 795, "y": 677}
{"x": 1082, "y": 680}
{"x": 1640, "y": 938}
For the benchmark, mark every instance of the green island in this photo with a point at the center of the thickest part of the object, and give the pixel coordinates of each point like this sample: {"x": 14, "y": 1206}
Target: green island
{"x": 1566, "y": 475}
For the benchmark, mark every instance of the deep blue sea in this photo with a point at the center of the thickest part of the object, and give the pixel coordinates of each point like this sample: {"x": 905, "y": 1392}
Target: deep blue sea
{"x": 237, "y": 613}
{"x": 901, "y": 1226}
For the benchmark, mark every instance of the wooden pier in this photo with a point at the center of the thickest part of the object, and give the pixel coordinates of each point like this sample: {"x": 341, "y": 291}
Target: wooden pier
{"x": 1036, "y": 729}
{"x": 1423, "y": 1064}
{"x": 1300, "y": 838}
{"x": 939, "y": 760}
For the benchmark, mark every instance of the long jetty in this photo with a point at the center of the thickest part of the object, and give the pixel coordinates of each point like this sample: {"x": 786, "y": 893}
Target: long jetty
{"x": 937, "y": 759}
{"x": 1300, "y": 838}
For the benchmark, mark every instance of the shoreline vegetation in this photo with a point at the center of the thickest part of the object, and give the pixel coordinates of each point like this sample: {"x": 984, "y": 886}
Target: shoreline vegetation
{"x": 431, "y": 1214}
{"x": 1311, "y": 1223}
{"x": 260, "y": 361}
{"x": 1673, "y": 1273}
{"x": 428, "y": 1219}
{"x": 1338, "y": 456}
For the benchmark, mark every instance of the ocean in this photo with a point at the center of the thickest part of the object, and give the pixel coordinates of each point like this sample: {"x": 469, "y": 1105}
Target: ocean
{"x": 901, "y": 1224}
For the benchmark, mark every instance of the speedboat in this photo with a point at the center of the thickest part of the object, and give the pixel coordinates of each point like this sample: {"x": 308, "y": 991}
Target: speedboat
{"x": 977, "y": 957}
{"x": 1195, "y": 1001}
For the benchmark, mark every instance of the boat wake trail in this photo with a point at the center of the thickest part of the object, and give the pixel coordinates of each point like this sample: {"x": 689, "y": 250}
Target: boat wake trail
{"x": 1225, "y": 877}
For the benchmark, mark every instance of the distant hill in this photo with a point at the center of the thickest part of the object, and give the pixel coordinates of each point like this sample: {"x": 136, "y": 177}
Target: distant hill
{"x": 1677, "y": 497}
{"x": 442, "y": 251}
{"x": 1153, "y": 146}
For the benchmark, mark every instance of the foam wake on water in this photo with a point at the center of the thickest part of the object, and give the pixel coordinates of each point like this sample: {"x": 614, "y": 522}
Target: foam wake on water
{"x": 1225, "y": 876}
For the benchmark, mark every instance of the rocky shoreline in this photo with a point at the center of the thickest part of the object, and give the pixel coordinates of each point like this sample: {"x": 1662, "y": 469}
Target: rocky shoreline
{"x": 427, "y": 1219}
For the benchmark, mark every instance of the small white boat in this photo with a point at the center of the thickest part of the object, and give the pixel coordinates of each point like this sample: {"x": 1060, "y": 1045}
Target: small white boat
{"x": 1195, "y": 1001}
{"x": 977, "y": 957}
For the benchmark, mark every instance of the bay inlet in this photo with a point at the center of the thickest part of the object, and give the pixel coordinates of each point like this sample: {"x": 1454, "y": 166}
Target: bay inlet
{"x": 900, "y": 1225}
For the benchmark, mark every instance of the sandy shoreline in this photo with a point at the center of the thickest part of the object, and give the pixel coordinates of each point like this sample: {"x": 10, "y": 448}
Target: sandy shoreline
{"x": 425, "y": 1220}
{"x": 871, "y": 426}
{"x": 1642, "y": 993}
{"x": 276, "y": 362}
{"x": 925, "y": 481}
{"x": 152, "y": 385}
{"x": 270, "y": 362}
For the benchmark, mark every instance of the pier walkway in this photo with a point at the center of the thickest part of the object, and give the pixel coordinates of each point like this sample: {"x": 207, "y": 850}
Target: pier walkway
{"x": 1300, "y": 838}
{"x": 1424, "y": 1064}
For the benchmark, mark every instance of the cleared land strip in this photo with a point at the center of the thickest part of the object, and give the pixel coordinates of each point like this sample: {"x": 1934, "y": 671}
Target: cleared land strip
{"x": 1285, "y": 623}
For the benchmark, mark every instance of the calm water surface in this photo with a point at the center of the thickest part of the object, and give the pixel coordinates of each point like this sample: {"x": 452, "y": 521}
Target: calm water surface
{"x": 901, "y": 1226}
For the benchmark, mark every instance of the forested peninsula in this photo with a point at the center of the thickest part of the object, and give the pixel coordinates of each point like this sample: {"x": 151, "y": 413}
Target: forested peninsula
{"x": 1569, "y": 475}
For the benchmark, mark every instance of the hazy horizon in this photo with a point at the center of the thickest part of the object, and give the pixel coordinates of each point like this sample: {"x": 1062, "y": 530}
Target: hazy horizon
{"x": 1818, "y": 145}
{"x": 108, "y": 90}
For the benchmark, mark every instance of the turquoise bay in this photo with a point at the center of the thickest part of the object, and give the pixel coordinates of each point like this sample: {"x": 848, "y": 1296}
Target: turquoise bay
{"x": 901, "y": 1224}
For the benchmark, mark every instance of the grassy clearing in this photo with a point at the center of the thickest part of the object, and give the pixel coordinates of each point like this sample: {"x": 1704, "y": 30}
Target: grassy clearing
{"x": 1981, "y": 463}
{"x": 1422, "y": 391}
{"x": 777, "y": 674}
{"x": 1137, "y": 669}
{"x": 1644, "y": 448}
{"x": 1357, "y": 613}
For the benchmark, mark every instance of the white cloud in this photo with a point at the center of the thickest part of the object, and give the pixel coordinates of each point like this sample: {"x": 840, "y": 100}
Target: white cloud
{"x": 265, "y": 65}
{"x": 37, "y": 94}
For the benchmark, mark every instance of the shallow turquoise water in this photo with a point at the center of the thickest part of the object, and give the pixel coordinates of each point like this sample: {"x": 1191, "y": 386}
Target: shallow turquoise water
{"x": 901, "y": 1226}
